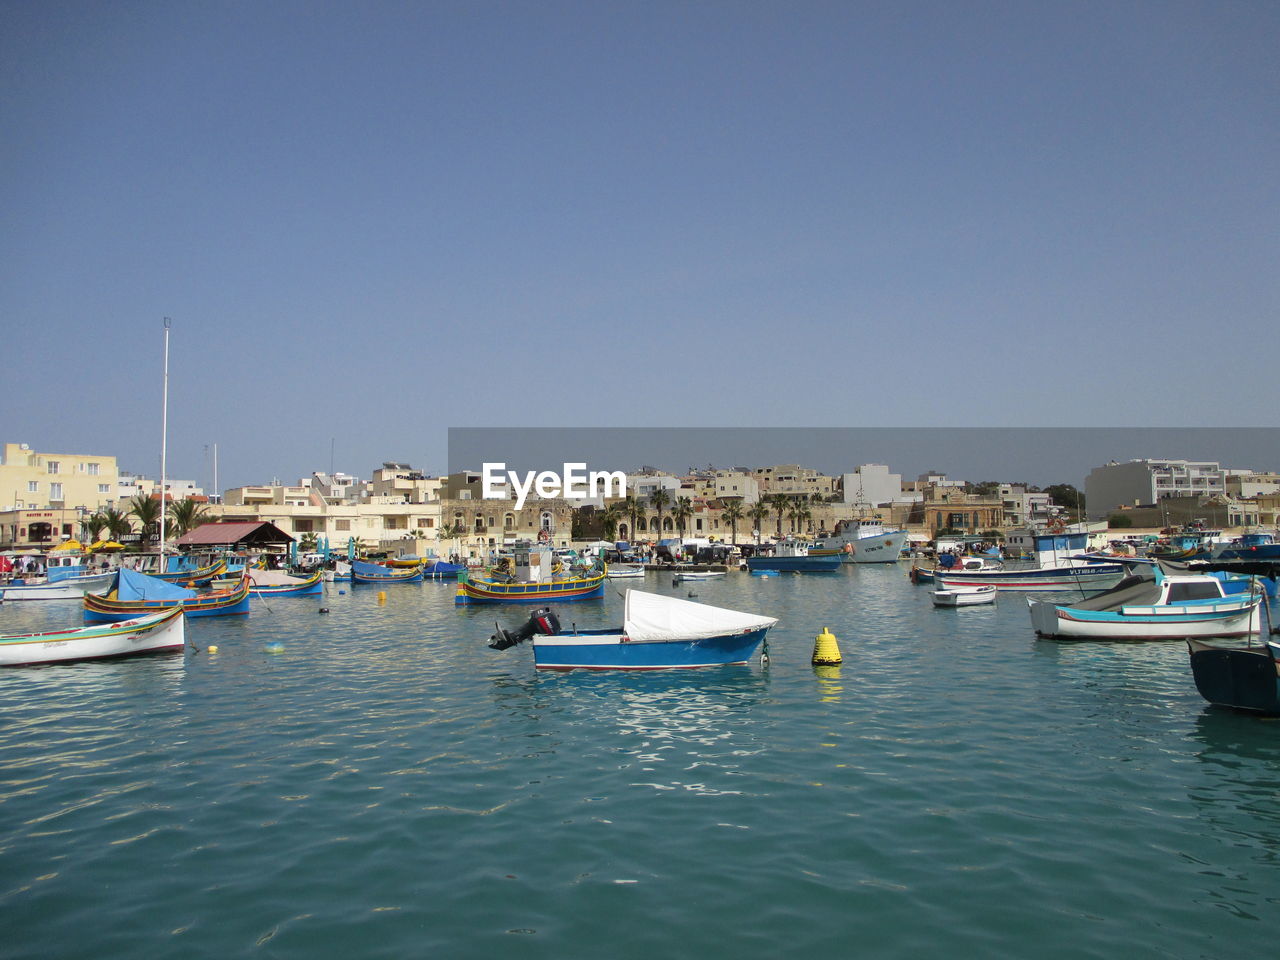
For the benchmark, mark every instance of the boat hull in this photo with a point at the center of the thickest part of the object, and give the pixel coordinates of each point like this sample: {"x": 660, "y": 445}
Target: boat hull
{"x": 611, "y": 650}
{"x": 313, "y": 586}
{"x": 68, "y": 588}
{"x": 153, "y": 634}
{"x": 964, "y": 596}
{"x": 882, "y": 548}
{"x": 235, "y": 602}
{"x": 1240, "y": 678}
{"x": 491, "y": 591}
{"x": 1227, "y": 618}
{"x": 809, "y": 564}
{"x": 1094, "y": 577}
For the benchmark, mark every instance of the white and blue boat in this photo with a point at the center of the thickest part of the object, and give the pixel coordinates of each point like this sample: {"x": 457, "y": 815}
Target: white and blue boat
{"x": 1056, "y": 567}
{"x": 1152, "y": 605}
{"x": 657, "y": 633}
{"x": 792, "y": 555}
{"x": 863, "y": 540}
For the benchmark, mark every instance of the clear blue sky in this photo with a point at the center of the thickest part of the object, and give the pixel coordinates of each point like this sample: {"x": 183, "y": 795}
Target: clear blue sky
{"x": 373, "y": 221}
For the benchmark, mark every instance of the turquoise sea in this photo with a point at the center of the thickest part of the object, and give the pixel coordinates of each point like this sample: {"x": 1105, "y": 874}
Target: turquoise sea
{"x": 387, "y": 786}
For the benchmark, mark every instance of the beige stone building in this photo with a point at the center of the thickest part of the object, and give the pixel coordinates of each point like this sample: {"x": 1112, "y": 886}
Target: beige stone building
{"x": 55, "y": 481}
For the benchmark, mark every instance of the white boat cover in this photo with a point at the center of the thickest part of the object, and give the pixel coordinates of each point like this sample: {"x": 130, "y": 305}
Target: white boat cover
{"x": 274, "y": 578}
{"x": 651, "y": 616}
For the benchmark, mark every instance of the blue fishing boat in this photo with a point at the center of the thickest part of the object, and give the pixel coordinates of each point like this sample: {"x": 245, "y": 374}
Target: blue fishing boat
{"x": 657, "y": 633}
{"x": 136, "y": 594}
{"x": 791, "y": 555}
{"x": 487, "y": 590}
{"x": 362, "y": 572}
{"x": 441, "y": 570}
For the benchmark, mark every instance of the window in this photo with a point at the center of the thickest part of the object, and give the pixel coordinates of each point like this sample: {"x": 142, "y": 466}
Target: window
{"x": 33, "y": 486}
{"x": 342, "y": 525}
{"x": 55, "y": 491}
{"x": 104, "y": 488}
{"x": 53, "y": 466}
{"x": 93, "y": 469}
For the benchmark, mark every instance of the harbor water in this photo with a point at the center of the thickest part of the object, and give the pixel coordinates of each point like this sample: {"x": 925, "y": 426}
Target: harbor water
{"x": 384, "y": 785}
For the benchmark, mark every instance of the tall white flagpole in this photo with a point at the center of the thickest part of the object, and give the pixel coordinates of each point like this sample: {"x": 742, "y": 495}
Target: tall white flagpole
{"x": 164, "y": 442}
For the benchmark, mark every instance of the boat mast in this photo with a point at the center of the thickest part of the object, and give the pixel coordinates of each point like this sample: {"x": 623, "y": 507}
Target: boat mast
{"x": 164, "y": 439}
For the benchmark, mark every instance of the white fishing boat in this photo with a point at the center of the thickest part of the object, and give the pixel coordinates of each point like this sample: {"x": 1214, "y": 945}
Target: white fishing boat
{"x": 963, "y": 596}
{"x": 1153, "y": 605}
{"x": 1057, "y": 566}
{"x": 68, "y": 588}
{"x": 863, "y": 540}
{"x": 165, "y": 630}
{"x": 625, "y": 571}
{"x": 693, "y": 575}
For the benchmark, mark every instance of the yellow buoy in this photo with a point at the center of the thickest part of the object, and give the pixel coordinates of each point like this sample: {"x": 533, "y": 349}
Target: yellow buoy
{"x": 382, "y": 596}
{"x": 825, "y": 649}
{"x": 213, "y": 649}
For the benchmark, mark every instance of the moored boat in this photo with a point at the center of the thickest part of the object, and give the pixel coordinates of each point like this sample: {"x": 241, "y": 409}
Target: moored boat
{"x": 362, "y": 572}
{"x": 487, "y": 590}
{"x": 863, "y": 540}
{"x": 625, "y": 571}
{"x": 1055, "y": 568}
{"x": 792, "y": 555}
{"x": 1243, "y": 678}
{"x": 1152, "y": 605}
{"x": 163, "y": 630}
{"x": 136, "y": 594}
{"x": 68, "y": 588}
{"x": 696, "y": 575}
{"x": 963, "y": 596}
{"x": 273, "y": 583}
{"x": 657, "y": 633}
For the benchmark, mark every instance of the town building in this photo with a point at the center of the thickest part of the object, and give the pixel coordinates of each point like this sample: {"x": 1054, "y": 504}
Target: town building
{"x": 1147, "y": 482}
{"x": 55, "y": 481}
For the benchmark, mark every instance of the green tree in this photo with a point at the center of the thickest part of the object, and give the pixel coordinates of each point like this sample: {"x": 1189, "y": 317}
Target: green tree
{"x": 609, "y": 518}
{"x": 91, "y": 528}
{"x": 146, "y": 510}
{"x": 759, "y": 512}
{"x": 731, "y": 514}
{"x": 1065, "y": 495}
{"x": 681, "y": 513}
{"x": 117, "y": 524}
{"x": 634, "y": 509}
{"x": 780, "y": 503}
{"x": 186, "y": 515}
{"x": 1118, "y": 521}
{"x": 659, "y": 499}
{"x": 985, "y": 488}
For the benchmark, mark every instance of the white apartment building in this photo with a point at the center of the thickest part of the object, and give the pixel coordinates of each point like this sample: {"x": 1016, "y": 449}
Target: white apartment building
{"x": 1147, "y": 482}
{"x": 872, "y": 485}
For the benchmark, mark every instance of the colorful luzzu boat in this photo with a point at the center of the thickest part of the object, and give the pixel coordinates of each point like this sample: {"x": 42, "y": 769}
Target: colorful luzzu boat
{"x": 272, "y": 583}
{"x": 484, "y": 590}
{"x": 165, "y": 630}
{"x": 196, "y": 577}
{"x": 362, "y": 572}
{"x": 136, "y": 594}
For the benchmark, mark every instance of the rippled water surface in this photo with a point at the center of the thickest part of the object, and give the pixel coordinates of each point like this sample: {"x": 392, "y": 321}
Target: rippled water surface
{"x": 387, "y": 786}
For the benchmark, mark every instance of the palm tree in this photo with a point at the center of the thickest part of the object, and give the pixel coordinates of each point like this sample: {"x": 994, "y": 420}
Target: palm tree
{"x": 731, "y": 514}
{"x": 452, "y": 531}
{"x": 117, "y": 524}
{"x": 681, "y": 513}
{"x": 633, "y": 508}
{"x": 659, "y": 498}
{"x": 146, "y": 510}
{"x": 91, "y": 528}
{"x": 780, "y": 502}
{"x": 759, "y": 512}
{"x": 609, "y": 518}
{"x": 186, "y": 515}
{"x": 798, "y": 513}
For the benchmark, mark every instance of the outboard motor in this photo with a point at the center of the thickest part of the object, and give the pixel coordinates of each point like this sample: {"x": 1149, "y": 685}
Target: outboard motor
{"x": 543, "y": 621}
